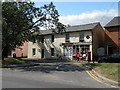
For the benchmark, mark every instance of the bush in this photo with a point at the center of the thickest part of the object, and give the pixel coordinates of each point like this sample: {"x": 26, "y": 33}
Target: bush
{"x": 11, "y": 61}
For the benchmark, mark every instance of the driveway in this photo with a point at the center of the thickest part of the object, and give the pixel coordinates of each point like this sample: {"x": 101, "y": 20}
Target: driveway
{"x": 49, "y": 75}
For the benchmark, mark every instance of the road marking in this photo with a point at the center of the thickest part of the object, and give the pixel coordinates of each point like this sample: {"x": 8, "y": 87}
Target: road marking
{"x": 99, "y": 80}
{"x": 93, "y": 76}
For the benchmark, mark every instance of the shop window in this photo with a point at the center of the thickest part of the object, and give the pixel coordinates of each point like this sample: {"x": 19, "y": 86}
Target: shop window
{"x": 74, "y": 50}
{"x": 52, "y": 51}
{"x": 67, "y": 39}
{"x": 52, "y": 38}
{"x": 84, "y": 49}
{"x": 81, "y": 38}
{"x": 34, "y": 50}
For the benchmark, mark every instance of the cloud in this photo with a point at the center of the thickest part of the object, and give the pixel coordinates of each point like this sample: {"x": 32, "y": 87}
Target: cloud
{"x": 103, "y": 17}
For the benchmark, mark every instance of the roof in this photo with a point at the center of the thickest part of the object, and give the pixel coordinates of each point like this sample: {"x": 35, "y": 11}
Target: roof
{"x": 44, "y": 32}
{"x": 114, "y": 22}
{"x": 75, "y": 28}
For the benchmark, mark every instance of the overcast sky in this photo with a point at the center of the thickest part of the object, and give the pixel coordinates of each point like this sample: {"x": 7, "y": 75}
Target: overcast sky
{"x": 77, "y": 13}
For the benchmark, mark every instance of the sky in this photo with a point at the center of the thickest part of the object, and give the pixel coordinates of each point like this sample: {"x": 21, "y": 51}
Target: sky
{"x": 78, "y": 13}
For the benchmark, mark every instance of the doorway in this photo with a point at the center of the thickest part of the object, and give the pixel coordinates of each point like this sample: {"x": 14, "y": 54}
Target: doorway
{"x": 110, "y": 49}
{"x": 42, "y": 56}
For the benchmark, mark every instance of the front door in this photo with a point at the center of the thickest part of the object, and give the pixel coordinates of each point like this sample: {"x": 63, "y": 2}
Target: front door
{"x": 110, "y": 49}
{"x": 42, "y": 56}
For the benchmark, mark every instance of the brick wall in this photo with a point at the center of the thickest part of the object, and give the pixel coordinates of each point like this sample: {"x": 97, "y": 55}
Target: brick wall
{"x": 98, "y": 39}
{"x": 23, "y": 51}
{"x": 112, "y": 38}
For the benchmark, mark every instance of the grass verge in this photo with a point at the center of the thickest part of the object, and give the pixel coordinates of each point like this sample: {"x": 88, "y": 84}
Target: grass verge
{"x": 13, "y": 61}
{"x": 108, "y": 70}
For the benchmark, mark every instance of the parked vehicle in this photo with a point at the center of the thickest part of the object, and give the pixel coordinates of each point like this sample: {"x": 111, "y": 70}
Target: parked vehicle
{"x": 114, "y": 58}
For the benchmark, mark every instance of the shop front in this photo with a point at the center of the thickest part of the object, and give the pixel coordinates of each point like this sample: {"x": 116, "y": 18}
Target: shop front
{"x": 70, "y": 50}
{"x": 84, "y": 48}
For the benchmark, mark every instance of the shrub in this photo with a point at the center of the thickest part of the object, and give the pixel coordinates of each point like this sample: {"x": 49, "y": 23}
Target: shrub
{"x": 11, "y": 61}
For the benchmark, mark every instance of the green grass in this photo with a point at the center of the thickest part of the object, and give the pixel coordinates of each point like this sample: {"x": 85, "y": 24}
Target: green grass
{"x": 119, "y": 85}
{"x": 108, "y": 70}
{"x": 119, "y": 72}
{"x": 11, "y": 61}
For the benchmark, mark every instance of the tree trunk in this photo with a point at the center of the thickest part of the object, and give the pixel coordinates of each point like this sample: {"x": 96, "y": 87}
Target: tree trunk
{"x": 5, "y": 52}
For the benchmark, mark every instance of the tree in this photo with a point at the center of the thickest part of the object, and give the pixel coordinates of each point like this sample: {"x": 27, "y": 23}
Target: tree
{"x": 21, "y": 20}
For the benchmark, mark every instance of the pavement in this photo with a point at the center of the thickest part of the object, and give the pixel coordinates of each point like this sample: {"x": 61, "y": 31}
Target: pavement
{"x": 50, "y": 75}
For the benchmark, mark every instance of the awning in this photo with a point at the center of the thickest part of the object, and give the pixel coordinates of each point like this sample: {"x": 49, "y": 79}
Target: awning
{"x": 78, "y": 43}
{"x": 67, "y": 43}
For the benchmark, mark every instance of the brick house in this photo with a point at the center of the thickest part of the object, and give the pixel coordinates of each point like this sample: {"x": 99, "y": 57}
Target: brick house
{"x": 20, "y": 51}
{"x": 112, "y": 36}
{"x": 76, "y": 38}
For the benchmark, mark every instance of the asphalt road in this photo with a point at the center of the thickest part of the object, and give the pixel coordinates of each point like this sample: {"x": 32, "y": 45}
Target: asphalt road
{"x": 64, "y": 75}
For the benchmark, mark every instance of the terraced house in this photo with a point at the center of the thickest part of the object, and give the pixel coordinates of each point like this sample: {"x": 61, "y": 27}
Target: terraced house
{"x": 81, "y": 38}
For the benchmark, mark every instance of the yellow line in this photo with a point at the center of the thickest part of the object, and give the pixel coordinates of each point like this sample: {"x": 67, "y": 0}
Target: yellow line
{"x": 97, "y": 79}
{"x": 92, "y": 76}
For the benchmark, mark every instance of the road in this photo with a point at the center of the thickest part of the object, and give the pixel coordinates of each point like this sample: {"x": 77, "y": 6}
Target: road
{"x": 57, "y": 75}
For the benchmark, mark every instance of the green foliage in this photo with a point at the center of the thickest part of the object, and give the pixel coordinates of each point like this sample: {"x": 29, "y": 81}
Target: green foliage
{"x": 11, "y": 61}
{"x": 21, "y": 22}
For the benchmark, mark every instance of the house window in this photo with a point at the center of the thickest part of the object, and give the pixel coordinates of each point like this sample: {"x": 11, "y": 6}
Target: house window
{"x": 52, "y": 38}
{"x": 67, "y": 39}
{"x": 52, "y": 51}
{"x": 81, "y": 38}
{"x": 34, "y": 50}
{"x": 42, "y": 39}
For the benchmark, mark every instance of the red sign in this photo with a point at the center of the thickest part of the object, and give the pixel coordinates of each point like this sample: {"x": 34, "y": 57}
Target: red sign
{"x": 87, "y": 36}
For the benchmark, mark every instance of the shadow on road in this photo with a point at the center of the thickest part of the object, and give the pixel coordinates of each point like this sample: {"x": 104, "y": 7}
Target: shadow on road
{"x": 56, "y": 66}
{"x": 45, "y": 61}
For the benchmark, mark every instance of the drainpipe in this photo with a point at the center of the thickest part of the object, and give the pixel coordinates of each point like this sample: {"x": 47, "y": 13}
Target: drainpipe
{"x": 119, "y": 39}
{"x": 92, "y": 48}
